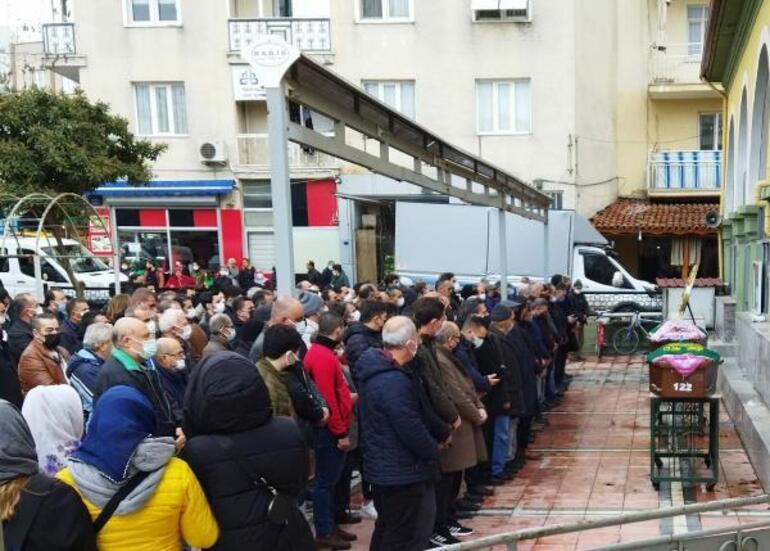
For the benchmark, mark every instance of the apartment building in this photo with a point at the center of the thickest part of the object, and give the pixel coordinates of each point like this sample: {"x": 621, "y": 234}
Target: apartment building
{"x": 583, "y": 99}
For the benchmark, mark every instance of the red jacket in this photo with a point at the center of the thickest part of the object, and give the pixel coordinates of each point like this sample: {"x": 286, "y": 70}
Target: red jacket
{"x": 179, "y": 282}
{"x": 323, "y": 366}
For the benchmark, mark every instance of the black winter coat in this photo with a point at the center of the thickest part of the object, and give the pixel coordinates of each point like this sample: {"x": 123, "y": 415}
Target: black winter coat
{"x": 358, "y": 339}
{"x": 527, "y": 367}
{"x": 490, "y": 362}
{"x": 146, "y": 381}
{"x": 227, "y": 400}
{"x": 10, "y": 390}
{"x": 512, "y": 377}
{"x": 19, "y": 337}
{"x": 61, "y": 521}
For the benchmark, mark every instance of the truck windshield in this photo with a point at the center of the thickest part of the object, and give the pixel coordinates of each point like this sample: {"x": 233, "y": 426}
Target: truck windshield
{"x": 81, "y": 260}
{"x": 600, "y": 269}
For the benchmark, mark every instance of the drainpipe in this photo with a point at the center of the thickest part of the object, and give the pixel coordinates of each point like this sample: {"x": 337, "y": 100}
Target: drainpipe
{"x": 720, "y": 254}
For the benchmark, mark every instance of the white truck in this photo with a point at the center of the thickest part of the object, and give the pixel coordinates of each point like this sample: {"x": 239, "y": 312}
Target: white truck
{"x": 17, "y": 268}
{"x": 464, "y": 239}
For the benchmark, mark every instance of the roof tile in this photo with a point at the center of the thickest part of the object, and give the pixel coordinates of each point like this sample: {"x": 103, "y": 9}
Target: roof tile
{"x": 630, "y": 216}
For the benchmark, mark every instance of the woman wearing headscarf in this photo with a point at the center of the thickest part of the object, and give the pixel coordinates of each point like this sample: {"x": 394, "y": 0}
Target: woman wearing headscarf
{"x": 38, "y": 513}
{"x": 245, "y": 458}
{"x": 55, "y": 418}
{"x": 165, "y": 504}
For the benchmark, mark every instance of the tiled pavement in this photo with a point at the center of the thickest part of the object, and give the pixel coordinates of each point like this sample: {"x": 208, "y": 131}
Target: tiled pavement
{"x": 596, "y": 464}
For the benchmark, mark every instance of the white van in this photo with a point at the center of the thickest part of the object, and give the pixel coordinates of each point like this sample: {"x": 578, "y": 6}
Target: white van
{"x": 17, "y": 267}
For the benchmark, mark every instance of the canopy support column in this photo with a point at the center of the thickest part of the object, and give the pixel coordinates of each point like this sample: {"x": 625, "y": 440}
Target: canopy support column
{"x": 503, "y": 255}
{"x": 280, "y": 183}
{"x": 545, "y": 252}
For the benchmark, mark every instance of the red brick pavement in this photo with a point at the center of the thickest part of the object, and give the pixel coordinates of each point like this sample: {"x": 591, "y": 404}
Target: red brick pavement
{"x": 596, "y": 464}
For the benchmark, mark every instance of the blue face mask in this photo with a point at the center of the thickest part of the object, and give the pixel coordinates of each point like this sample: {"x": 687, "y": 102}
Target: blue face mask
{"x": 62, "y": 307}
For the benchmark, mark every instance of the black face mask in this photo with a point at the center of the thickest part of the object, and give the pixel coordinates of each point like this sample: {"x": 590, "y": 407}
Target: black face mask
{"x": 51, "y": 341}
{"x": 486, "y": 321}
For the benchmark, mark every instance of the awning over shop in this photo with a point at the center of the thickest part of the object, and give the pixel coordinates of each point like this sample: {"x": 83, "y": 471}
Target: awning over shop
{"x": 166, "y": 188}
{"x": 631, "y": 216}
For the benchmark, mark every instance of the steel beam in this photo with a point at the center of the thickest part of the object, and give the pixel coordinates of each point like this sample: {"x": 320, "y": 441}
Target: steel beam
{"x": 280, "y": 183}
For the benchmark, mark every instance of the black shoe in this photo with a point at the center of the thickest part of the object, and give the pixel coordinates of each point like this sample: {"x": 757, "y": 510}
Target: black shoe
{"x": 462, "y": 505}
{"x": 470, "y": 498}
{"x": 443, "y": 538}
{"x": 348, "y": 518}
{"x": 482, "y": 490}
{"x": 458, "y": 530}
{"x": 496, "y": 481}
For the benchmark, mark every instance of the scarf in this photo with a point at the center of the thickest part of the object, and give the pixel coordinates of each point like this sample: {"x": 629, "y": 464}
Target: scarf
{"x": 55, "y": 418}
{"x": 17, "y": 447}
{"x": 151, "y": 455}
{"x": 122, "y": 419}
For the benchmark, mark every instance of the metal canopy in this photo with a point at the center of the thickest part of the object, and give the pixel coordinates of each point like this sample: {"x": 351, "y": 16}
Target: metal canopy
{"x": 404, "y": 150}
{"x": 435, "y": 164}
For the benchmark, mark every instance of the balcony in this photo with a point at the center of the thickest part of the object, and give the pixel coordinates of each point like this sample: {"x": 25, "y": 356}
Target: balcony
{"x": 684, "y": 173}
{"x": 310, "y": 35}
{"x": 254, "y": 156}
{"x": 60, "y": 51}
{"x": 675, "y": 73}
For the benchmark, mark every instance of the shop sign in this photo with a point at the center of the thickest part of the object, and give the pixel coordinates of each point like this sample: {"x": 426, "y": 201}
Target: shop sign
{"x": 270, "y": 56}
{"x": 246, "y": 84}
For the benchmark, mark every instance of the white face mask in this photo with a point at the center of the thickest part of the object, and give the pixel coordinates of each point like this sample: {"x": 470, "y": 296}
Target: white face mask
{"x": 477, "y": 342}
{"x": 230, "y": 334}
{"x": 38, "y": 310}
{"x": 180, "y": 364}
{"x": 152, "y": 327}
{"x": 3, "y": 318}
{"x": 191, "y": 313}
{"x": 355, "y": 316}
{"x": 219, "y": 307}
{"x": 482, "y": 296}
{"x": 186, "y": 332}
{"x": 195, "y": 267}
{"x": 577, "y": 291}
{"x": 400, "y": 302}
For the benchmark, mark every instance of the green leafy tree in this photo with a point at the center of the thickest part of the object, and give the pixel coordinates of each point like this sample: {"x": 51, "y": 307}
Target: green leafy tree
{"x": 54, "y": 143}
{"x": 57, "y": 143}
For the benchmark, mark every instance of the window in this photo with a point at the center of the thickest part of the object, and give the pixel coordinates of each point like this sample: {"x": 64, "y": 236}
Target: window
{"x": 504, "y": 106}
{"x": 161, "y": 109}
{"x": 557, "y": 199}
{"x": 152, "y": 12}
{"x": 710, "y": 131}
{"x": 386, "y": 10}
{"x": 597, "y": 267}
{"x": 398, "y": 94}
{"x": 26, "y": 262}
{"x": 501, "y": 10}
{"x": 257, "y": 195}
{"x": 697, "y": 18}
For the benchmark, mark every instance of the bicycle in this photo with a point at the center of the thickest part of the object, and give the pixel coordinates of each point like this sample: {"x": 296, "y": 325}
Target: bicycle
{"x": 626, "y": 340}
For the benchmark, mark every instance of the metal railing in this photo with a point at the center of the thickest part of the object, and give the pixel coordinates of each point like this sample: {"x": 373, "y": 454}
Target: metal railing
{"x": 677, "y": 171}
{"x": 307, "y": 34}
{"x": 676, "y": 64}
{"x": 254, "y": 152}
{"x": 511, "y": 539}
{"x": 59, "y": 39}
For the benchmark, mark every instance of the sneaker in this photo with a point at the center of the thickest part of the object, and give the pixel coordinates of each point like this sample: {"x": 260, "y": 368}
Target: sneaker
{"x": 368, "y": 510}
{"x": 443, "y": 539}
{"x": 458, "y": 530}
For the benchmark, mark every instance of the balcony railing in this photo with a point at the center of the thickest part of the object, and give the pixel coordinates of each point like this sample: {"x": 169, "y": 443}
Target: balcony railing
{"x": 307, "y": 34}
{"x": 254, "y": 153}
{"x": 677, "y": 64}
{"x": 684, "y": 171}
{"x": 59, "y": 39}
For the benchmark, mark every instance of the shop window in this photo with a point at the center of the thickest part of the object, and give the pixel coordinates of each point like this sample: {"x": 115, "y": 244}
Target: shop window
{"x": 181, "y": 218}
{"x": 127, "y": 217}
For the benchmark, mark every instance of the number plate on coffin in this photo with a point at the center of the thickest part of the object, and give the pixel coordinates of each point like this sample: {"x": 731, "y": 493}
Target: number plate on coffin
{"x": 668, "y": 383}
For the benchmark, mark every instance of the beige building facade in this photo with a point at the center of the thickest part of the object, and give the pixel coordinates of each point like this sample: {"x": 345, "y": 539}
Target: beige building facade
{"x": 578, "y": 97}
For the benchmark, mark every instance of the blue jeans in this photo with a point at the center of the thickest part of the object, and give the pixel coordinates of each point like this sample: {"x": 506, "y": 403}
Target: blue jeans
{"x": 329, "y": 461}
{"x": 500, "y": 439}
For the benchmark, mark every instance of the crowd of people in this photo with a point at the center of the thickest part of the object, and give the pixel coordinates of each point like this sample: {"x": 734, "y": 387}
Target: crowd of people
{"x": 226, "y": 417}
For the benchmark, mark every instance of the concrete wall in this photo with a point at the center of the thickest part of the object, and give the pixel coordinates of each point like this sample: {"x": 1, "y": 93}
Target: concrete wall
{"x": 119, "y": 55}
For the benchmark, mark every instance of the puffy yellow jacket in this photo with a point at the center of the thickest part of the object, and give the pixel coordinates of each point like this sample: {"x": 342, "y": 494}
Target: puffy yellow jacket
{"x": 177, "y": 511}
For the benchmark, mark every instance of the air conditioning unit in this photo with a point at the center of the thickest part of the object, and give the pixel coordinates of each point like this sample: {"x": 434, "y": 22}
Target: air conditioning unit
{"x": 510, "y": 11}
{"x": 213, "y": 152}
